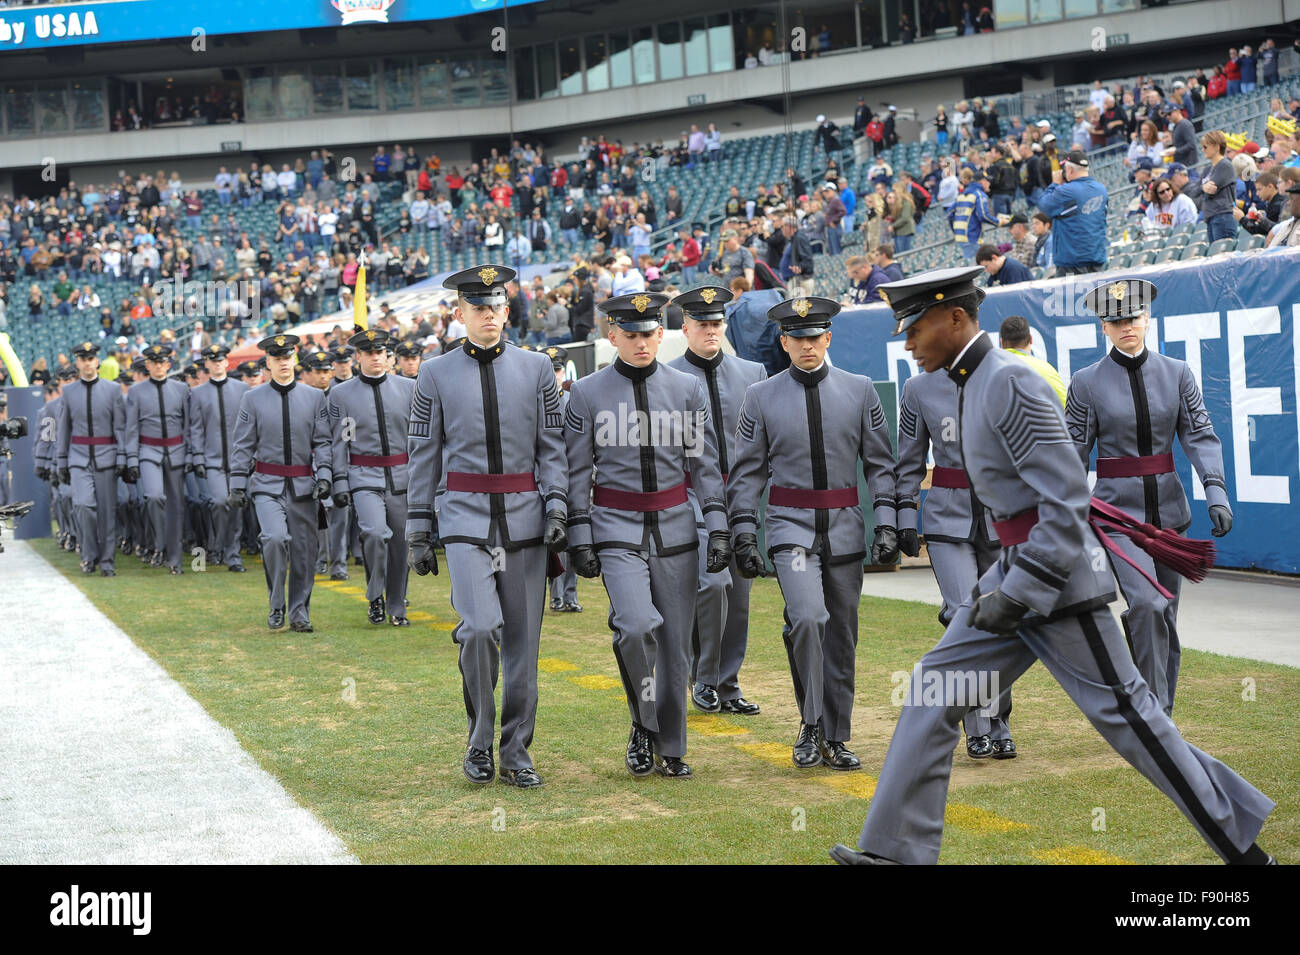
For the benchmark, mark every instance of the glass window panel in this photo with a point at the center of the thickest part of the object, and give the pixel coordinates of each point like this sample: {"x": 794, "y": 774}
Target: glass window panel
{"x": 643, "y": 55}
{"x": 20, "y": 110}
{"x": 597, "y": 68}
{"x": 670, "y": 51}
{"x": 464, "y": 81}
{"x": 88, "y": 108}
{"x": 757, "y": 30}
{"x": 620, "y": 60}
{"x": 399, "y": 84}
{"x": 1080, "y": 8}
{"x": 496, "y": 84}
{"x": 259, "y": 94}
{"x": 1119, "y": 6}
{"x": 547, "y": 85}
{"x": 52, "y": 107}
{"x": 291, "y": 93}
{"x": 1011, "y": 13}
{"x": 696, "y": 46}
{"x": 327, "y": 88}
{"x": 570, "y": 67}
{"x": 363, "y": 91}
{"x": 434, "y": 82}
{"x": 722, "y": 48}
{"x": 525, "y": 81}
{"x": 1044, "y": 11}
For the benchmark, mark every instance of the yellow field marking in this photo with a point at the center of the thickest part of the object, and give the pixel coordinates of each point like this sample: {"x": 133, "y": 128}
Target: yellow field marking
{"x": 1077, "y": 855}
{"x": 595, "y": 681}
{"x": 351, "y": 591}
{"x": 859, "y": 785}
{"x": 707, "y": 725}
{"x": 974, "y": 819}
{"x": 555, "y": 665}
{"x": 773, "y": 753}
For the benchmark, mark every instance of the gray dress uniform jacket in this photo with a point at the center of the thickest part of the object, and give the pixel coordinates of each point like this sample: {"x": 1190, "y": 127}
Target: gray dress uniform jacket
{"x": 370, "y": 416}
{"x": 1131, "y": 407}
{"x": 46, "y": 432}
{"x": 214, "y": 412}
{"x": 281, "y": 426}
{"x": 157, "y": 423}
{"x": 91, "y": 428}
{"x": 807, "y": 430}
{"x": 531, "y": 442}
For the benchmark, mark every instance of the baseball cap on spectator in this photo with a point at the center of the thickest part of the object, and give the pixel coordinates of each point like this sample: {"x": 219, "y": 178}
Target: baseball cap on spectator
{"x": 1049, "y": 139}
{"x": 1174, "y": 167}
{"x": 1251, "y": 147}
{"x": 1018, "y": 218}
{"x": 729, "y": 233}
{"x": 1077, "y": 157}
{"x": 1143, "y": 163}
{"x": 1037, "y": 147}
{"x": 1168, "y": 106}
{"x": 1043, "y": 124}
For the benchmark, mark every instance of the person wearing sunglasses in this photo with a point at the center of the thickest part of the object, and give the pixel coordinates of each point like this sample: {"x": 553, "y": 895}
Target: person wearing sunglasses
{"x": 1169, "y": 208}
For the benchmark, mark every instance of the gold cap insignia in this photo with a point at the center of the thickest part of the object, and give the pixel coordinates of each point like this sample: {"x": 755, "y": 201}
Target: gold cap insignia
{"x": 487, "y": 275}
{"x": 370, "y": 336}
{"x": 708, "y": 294}
{"x": 938, "y": 296}
{"x": 1118, "y": 291}
{"x": 802, "y": 307}
{"x": 640, "y": 302}
{"x": 320, "y": 355}
{"x": 279, "y": 339}
{"x": 87, "y": 346}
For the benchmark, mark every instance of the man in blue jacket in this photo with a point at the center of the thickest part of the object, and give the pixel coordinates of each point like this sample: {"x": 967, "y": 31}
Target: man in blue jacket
{"x": 1077, "y": 204}
{"x": 970, "y": 213}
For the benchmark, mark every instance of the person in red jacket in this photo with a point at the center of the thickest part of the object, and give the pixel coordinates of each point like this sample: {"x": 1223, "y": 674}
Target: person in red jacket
{"x": 690, "y": 256}
{"x": 1232, "y": 70}
{"x": 1218, "y": 85}
{"x": 455, "y": 183}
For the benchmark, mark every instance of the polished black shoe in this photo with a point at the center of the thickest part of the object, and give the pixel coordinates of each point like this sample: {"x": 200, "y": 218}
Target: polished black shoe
{"x": 339, "y": 575}
{"x": 377, "y": 610}
{"x": 397, "y": 621}
{"x": 321, "y": 570}
{"x": 640, "y": 752}
{"x": 107, "y": 572}
{"x": 237, "y": 568}
{"x": 557, "y": 605}
{"x": 303, "y": 627}
{"x": 478, "y": 766}
{"x": 979, "y": 747}
{"x": 705, "y": 698}
{"x": 846, "y": 856}
{"x": 87, "y": 567}
{"x": 672, "y": 767}
{"x": 175, "y": 571}
{"x": 740, "y": 707}
{"x": 360, "y": 562}
{"x": 141, "y": 552}
{"x": 275, "y": 619}
{"x": 157, "y": 559}
{"x": 574, "y": 607}
{"x": 807, "y": 748}
{"x": 837, "y": 755}
{"x": 525, "y": 778}
{"x": 1004, "y": 749}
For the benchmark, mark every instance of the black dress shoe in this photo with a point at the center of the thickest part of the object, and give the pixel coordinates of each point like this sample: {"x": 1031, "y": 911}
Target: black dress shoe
{"x": 705, "y": 698}
{"x": 740, "y": 707}
{"x": 672, "y": 767}
{"x": 557, "y": 605}
{"x": 303, "y": 627}
{"x": 397, "y": 621}
{"x": 237, "y": 568}
{"x": 87, "y": 567}
{"x": 846, "y": 856}
{"x": 525, "y": 778}
{"x": 837, "y": 755}
{"x": 377, "y": 610}
{"x": 157, "y": 559}
{"x": 979, "y": 747}
{"x": 340, "y": 575}
{"x": 807, "y": 748}
{"x": 275, "y": 619}
{"x": 1004, "y": 749}
{"x": 176, "y": 571}
{"x": 108, "y": 572}
{"x": 574, "y": 607}
{"x": 640, "y": 752}
{"x": 478, "y": 766}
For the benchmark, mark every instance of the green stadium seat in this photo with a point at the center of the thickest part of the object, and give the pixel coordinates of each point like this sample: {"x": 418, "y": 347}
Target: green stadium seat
{"x": 1145, "y": 257}
{"x": 1248, "y": 242}
{"x": 1221, "y": 245}
{"x": 1168, "y": 255}
{"x": 1194, "y": 250}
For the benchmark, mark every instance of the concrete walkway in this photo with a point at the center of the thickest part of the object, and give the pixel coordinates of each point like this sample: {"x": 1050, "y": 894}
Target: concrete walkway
{"x": 108, "y": 761}
{"x": 1235, "y": 613}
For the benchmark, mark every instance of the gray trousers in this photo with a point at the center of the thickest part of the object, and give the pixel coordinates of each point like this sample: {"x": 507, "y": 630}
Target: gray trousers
{"x": 958, "y": 568}
{"x": 4, "y": 481}
{"x": 94, "y": 507}
{"x": 288, "y": 547}
{"x": 821, "y": 636}
{"x": 651, "y": 624}
{"x": 1087, "y": 656}
{"x": 498, "y": 595}
{"x": 1150, "y": 623}
{"x": 564, "y": 588}
{"x": 226, "y": 520}
{"x": 382, "y": 517}
{"x": 162, "y": 492}
{"x": 339, "y": 519}
{"x": 721, "y": 632}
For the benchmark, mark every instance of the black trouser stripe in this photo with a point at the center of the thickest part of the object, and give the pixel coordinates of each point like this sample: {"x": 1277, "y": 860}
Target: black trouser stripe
{"x": 1151, "y": 743}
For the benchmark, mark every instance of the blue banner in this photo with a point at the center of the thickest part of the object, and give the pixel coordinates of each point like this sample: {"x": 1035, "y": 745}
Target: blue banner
{"x": 126, "y": 21}
{"x": 1234, "y": 320}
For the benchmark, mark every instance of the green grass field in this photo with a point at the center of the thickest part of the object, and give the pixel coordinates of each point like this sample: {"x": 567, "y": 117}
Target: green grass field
{"x": 366, "y": 727}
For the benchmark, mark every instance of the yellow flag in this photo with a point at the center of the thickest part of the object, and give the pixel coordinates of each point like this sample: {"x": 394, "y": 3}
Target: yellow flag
{"x": 360, "y": 315}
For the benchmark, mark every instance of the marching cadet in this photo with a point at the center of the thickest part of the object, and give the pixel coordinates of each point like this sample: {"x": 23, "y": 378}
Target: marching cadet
{"x": 485, "y": 436}
{"x": 341, "y": 356}
{"x": 408, "y": 359}
{"x": 198, "y": 515}
{"x": 804, "y": 431}
{"x": 251, "y": 372}
{"x": 1134, "y": 404}
{"x": 368, "y": 422}
{"x": 214, "y": 410}
{"x": 317, "y": 370}
{"x": 564, "y": 587}
{"x": 959, "y": 534}
{"x": 156, "y": 423}
{"x": 91, "y": 457}
{"x": 721, "y": 631}
{"x": 1045, "y": 598}
{"x": 130, "y": 511}
{"x": 46, "y": 456}
{"x": 282, "y": 443}
{"x": 643, "y": 427}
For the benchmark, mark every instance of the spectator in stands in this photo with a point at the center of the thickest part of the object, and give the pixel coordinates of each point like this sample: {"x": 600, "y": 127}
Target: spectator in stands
{"x": 1268, "y": 62}
{"x": 1260, "y": 216}
{"x": 287, "y": 180}
{"x": 1219, "y": 188}
{"x": 883, "y": 270}
{"x": 900, "y": 213}
{"x": 1023, "y": 242}
{"x": 1016, "y": 338}
{"x": 1182, "y": 135}
{"x": 1287, "y": 232}
{"x": 985, "y": 21}
{"x": 689, "y": 252}
{"x": 695, "y": 146}
{"x": 949, "y": 188}
{"x": 713, "y": 144}
{"x": 1217, "y": 85}
{"x": 1147, "y": 144}
{"x": 796, "y": 267}
{"x": 940, "y": 123}
{"x": 1003, "y": 181}
{"x": 1099, "y": 94}
{"x": 1077, "y": 204}
{"x": 970, "y": 213}
{"x": 1001, "y": 269}
{"x": 858, "y": 269}
{"x": 1246, "y": 63}
{"x": 627, "y": 279}
{"x": 556, "y": 325}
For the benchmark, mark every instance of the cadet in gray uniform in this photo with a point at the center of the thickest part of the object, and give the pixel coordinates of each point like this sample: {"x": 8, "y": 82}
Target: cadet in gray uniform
{"x": 91, "y": 457}
{"x": 1134, "y": 404}
{"x": 45, "y": 456}
{"x": 368, "y": 420}
{"x": 564, "y": 586}
{"x": 281, "y": 458}
{"x": 214, "y": 412}
{"x": 130, "y": 509}
{"x": 316, "y": 366}
{"x": 486, "y": 444}
{"x": 804, "y": 431}
{"x": 721, "y": 631}
{"x": 156, "y": 424}
{"x": 643, "y": 427}
{"x": 408, "y": 359}
{"x": 345, "y": 537}
{"x": 959, "y": 533}
{"x": 1044, "y": 599}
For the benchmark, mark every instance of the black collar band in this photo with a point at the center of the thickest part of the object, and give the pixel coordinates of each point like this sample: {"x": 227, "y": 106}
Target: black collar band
{"x": 481, "y": 354}
{"x": 283, "y": 389}
{"x": 374, "y": 382}
{"x": 633, "y": 373}
{"x": 699, "y": 361}
{"x": 1129, "y": 361}
{"x": 810, "y": 378}
{"x": 962, "y": 370}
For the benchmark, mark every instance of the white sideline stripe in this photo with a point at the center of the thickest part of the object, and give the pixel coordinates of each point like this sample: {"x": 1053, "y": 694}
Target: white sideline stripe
{"x": 107, "y": 760}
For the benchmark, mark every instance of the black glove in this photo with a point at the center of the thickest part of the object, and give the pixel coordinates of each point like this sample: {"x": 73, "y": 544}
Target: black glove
{"x": 322, "y": 489}
{"x": 342, "y": 499}
{"x": 718, "y": 555}
{"x": 748, "y": 558}
{"x": 1221, "y": 518}
{"x": 885, "y": 548}
{"x": 420, "y": 554}
{"x": 584, "y": 560}
{"x": 238, "y": 498}
{"x": 201, "y": 471}
{"x": 65, "y": 476}
{"x": 996, "y": 612}
{"x": 132, "y": 474}
{"x": 43, "y": 474}
{"x": 908, "y": 542}
{"x": 556, "y": 536}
